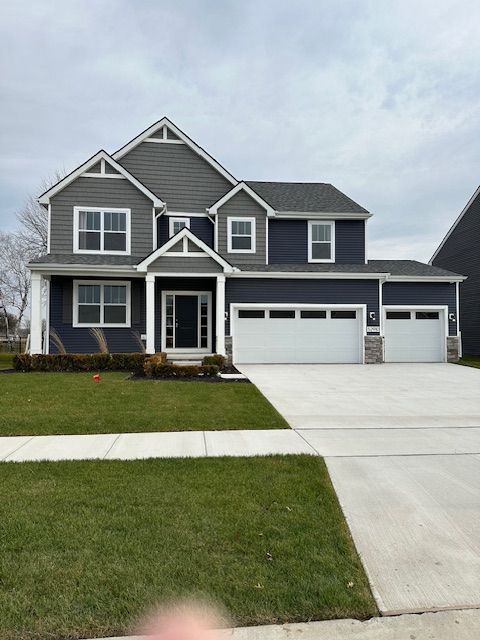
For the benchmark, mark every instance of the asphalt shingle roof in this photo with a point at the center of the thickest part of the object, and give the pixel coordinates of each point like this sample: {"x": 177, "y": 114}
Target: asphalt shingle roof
{"x": 86, "y": 258}
{"x": 305, "y": 196}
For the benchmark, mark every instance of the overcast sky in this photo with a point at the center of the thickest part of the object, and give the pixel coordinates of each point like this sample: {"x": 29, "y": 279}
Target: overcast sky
{"x": 381, "y": 98}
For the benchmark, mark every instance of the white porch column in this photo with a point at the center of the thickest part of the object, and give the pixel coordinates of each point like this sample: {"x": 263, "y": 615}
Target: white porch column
{"x": 150, "y": 303}
{"x": 220, "y": 317}
{"x": 36, "y": 313}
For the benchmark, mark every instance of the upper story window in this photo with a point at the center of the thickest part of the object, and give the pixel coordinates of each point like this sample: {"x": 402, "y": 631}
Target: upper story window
{"x": 177, "y": 224}
{"x": 98, "y": 230}
{"x": 321, "y": 241}
{"x": 241, "y": 235}
{"x": 101, "y": 304}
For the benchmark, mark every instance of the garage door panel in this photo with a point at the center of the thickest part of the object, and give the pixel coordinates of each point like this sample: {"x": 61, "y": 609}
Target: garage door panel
{"x": 414, "y": 339}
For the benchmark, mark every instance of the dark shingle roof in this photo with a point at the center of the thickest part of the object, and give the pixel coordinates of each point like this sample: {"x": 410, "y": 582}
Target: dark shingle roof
{"x": 86, "y": 258}
{"x": 305, "y": 196}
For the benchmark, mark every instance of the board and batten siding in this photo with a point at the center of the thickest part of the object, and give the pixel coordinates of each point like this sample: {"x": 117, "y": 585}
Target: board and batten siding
{"x": 461, "y": 254}
{"x": 288, "y": 241}
{"x": 78, "y": 339}
{"x": 242, "y": 205}
{"x": 294, "y": 291}
{"x": 177, "y": 175}
{"x": 101, "y": 192}
{"x": 422, "y": 293}
{"x": 201, "y": 227}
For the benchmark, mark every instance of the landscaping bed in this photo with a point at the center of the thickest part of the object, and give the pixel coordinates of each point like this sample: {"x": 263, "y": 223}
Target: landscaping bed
{"x": 87, "y": 546}
{"x": 68, "y": 403}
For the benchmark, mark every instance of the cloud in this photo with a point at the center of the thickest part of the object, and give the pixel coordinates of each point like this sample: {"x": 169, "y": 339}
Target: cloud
{"x": 380, "y": 99}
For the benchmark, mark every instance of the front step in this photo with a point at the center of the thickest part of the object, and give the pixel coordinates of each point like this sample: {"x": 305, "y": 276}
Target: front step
{"x": 183, "y": 362}
{"x": 186, "y": 358}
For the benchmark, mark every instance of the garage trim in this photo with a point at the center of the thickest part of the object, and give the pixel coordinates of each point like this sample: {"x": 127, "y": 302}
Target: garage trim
{"x": 419, "y": 307}
{"x": 234, "y": 306}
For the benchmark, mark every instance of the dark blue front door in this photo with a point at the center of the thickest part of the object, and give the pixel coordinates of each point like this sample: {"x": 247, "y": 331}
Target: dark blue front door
{"x": 186, "y": 322}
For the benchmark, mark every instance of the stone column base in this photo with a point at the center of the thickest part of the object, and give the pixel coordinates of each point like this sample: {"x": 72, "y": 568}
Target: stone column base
{"x": 228, "y": 349}
{"x": 453, "y": 348}
{"x": 373, "y": 349}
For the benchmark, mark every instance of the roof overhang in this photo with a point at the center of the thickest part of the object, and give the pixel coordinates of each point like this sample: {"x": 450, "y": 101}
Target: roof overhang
{"x": 322, "y": 215}
{"x": 451, "y": 279}
{"x": 241, "y": 186}
{"x": 83, "y": 168}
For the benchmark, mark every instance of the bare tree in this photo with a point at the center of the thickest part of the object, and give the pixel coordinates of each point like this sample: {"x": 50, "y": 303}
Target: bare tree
{"x": 14, "y": 276}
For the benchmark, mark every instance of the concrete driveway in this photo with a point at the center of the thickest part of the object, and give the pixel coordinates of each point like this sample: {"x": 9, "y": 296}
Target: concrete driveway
{"x": 402, "y": 444}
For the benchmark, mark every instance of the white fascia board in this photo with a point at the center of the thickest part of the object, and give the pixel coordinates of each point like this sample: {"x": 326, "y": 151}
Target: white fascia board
{"x": 188, "y": 141}
{"x": 241, "y": 186}
{"x": 321, "y": 215}
{"x": 452, "y": 228}
{"x": 306, "y": 275}
{"x": 102, "y": 271}
{"x": 101, "y": 155}
{"x": 427, "y": 278}
{"x": 184, "y": 233}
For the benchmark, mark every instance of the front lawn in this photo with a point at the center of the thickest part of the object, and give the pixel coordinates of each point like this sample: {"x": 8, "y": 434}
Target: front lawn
{"x": 86, "y": 546}
{"x": 49, "y": 403}
{"x": 470, "y": 361}
{"x": 6, "y": 360}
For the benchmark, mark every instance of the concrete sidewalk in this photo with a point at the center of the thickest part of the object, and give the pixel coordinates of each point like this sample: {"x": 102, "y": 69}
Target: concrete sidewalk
{"x": 445, "y": 625}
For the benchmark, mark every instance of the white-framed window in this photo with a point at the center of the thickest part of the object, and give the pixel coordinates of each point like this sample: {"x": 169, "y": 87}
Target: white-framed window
{"x": 241, "y": 235}
{"x": 321, "y": 241}
{"x": 101, "y": 303}
{"x": 101, "y": 230}
{"x": 177, "y": 224}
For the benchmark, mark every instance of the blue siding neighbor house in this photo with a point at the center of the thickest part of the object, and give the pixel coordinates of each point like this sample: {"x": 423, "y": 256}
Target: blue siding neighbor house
{"x": 158, "y": 244}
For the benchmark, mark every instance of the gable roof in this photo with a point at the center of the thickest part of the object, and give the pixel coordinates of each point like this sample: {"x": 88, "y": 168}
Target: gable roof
{"x": 241, "y": 186}
{"x": 182, "y": 137}
{"x": 303, "y": 197}
{"x": 454, "y": 225}
{"x": 185, "y": 233}
{"x": 91, "y": 162}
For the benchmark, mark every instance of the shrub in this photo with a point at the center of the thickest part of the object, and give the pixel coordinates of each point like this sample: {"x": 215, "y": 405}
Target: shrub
{"x": 216, "y": 359}
{"x": 79, "y": 362}
{"x": 167, "y": 370}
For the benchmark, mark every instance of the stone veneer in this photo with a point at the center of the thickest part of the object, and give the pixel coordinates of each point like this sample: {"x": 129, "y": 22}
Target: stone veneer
{"x": 228, "y": 349}
{"x": 453, "y": 348}
{"x": 373, "y": 349}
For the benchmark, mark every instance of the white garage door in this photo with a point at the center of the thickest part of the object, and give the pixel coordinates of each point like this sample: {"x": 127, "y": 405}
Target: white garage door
{"x": 414, "y": 336}
{"x": 267, "y": 335}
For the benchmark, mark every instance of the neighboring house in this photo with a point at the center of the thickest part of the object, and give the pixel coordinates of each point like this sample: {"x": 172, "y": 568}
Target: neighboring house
{"x": 160, "y": 241}
{"x": 460, "y": 251}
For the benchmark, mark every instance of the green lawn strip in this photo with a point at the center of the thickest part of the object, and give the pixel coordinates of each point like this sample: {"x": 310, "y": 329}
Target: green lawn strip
{"x": 6, "y": 360}
{"x": 470, "y": 361}
{"x": 86, "y": 546}
{"x": 52, "y": 403}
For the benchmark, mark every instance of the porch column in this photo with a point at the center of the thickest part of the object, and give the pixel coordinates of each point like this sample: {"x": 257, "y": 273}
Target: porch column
{"x": 36, "y": 313}
{"x": 150, "y": 304}
{"x": 220, "y": 317}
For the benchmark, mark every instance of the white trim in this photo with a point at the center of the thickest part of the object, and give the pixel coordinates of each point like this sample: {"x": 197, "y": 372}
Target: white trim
{"x": 365, "y": 245}
{"x": 215, "y": 234}
{"x": 102, "y": 211}
{"x": 305, "y": 275}
{"x": 450, "y": 279}
{"x": 77, "y": 173}
{"x": 452, "y": 228}
{"x": 171, "y": 222}
{"x": 36, "y": 313}
{"x": 143, "y": 266}
{"x": 331, "y": 223}
{"x": 103, "y": 175}
{"x": 253, "y": 235}
{"x": 186, "y": 254}
{"x": 186, "y": 214}
{"x": 163, "y": 141}
{"x": 49, "y": 225}
{"x": 241, "y": 186}
{"x": 220, "y": 315}
{"x": 154, "y": 228}
{"x": 127, "y": 305}
{"x": 198, "y": 294}
{"x": 46, "y": 342}
{"x": 182, "y": 136}
{"x": 380, "y": 303}
{"x": 457, "y": 307}
{"x": 322, "y": 215}
{"x": 150, "y": 312}
{"x": 266, "y": 241}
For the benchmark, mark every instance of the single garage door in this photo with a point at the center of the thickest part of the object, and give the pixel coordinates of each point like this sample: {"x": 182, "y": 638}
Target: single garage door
{"x": 414, "y": 336}
{"x": 274, "y": 335}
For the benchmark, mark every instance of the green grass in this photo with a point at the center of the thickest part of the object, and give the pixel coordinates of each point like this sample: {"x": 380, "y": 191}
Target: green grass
{"x": 49, "y": 403}
{"x": 470, "y": 361}
{"x": 6, "y": 360}
{"x": 86, "y": 546}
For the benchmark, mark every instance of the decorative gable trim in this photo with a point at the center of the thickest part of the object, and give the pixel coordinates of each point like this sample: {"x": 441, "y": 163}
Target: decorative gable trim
{"x": 82, "y": 171}
{"x": 164, "y": 124}
{"x": 454, "y": 225}
{"x": 241, "y": 186}
{"x": 185, "y": 235}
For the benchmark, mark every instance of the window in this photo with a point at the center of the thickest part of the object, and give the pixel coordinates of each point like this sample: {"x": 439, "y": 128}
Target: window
{"x": 343, "y": 315}
{"x": 241, "y": 235}
{"x": 99, "y": 230}
{"x": 398, "y": 315}
{"x": 282, "y": 314}
{"x": 427, "y": 315}
{"x": 321, "y": 241}
{"x": 101, "y": 304}
{"x": 251, "y": 313}
{"x": 313, "y": 314}
{"x": 177, "y": 224}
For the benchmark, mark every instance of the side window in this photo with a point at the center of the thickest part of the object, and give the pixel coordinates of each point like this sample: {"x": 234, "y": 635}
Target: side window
{"x": 241, "y": 235}
{"x": 99, "y": 230}
{"x": 177, "y": 224}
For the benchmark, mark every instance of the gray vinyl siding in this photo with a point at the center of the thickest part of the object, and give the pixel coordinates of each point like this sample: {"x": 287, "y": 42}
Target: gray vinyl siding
{"x": 422, "y": 293}
{"x": 101, "y": 192}
{"x": 175, "y": 173}
{"x": 288, "y": 241}
{"x": 241, "y": 205}
{"x": 288, "y": 291}
{"x": 461, "y": 253}
{"x": 201, "y": 227}
{"x": 78, "y": 339}
{"x": 184, "y": 265}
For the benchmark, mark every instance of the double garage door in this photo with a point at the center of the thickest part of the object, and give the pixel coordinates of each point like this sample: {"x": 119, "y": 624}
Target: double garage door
{"x": 301, "y": 335}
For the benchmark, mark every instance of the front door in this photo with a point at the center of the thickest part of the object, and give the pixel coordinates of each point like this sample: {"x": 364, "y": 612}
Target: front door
{"x": 186, "y": 321}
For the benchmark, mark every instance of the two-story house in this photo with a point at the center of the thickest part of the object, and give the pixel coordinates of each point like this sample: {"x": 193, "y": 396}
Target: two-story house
{"x": 159, "y": 242}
